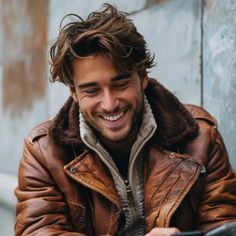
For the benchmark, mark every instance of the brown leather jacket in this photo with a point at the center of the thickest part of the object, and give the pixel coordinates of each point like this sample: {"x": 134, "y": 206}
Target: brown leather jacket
{"x": 64, "y": 189}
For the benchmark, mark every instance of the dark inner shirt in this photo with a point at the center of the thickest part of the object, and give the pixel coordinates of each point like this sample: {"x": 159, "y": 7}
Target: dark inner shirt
{"x": 122, "y": 165}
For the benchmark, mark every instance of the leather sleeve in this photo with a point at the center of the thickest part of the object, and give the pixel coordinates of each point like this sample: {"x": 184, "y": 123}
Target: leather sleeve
{"x": 41, "y": 209}
{"x": 218, "y": 201}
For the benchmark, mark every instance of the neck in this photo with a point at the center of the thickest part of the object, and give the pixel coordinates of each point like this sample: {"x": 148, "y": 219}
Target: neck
{"x": 121, "y": 147}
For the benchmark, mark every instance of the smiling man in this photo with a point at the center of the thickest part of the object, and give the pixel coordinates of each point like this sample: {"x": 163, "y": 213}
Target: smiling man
{"x": 111, "y": 102}
{"x": 123, "y": 156}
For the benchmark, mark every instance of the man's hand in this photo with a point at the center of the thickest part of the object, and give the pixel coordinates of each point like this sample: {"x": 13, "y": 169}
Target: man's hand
{"x": 163, "y": 232}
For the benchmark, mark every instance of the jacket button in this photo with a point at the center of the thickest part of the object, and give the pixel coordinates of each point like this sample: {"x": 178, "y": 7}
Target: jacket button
{"x": 171, "y": 155}
{"x": 72, "y": 170}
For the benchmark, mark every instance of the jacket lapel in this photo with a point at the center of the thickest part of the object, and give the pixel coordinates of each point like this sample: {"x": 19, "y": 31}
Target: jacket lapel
{"x": 88, "y": 170}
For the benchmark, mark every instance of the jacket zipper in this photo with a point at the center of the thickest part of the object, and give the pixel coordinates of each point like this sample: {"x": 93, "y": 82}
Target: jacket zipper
{"x": 130, "y": 173}
{"x": 129, "y": 192}
{"x": 128, "y": 189}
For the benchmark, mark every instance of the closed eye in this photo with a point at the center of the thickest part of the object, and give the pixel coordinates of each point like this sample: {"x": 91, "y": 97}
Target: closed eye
{"x": 91, "y": 91}
{"x": 122, "y": 84}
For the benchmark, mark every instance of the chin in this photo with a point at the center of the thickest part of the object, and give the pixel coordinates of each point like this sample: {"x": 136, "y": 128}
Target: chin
{"x": 115, "y": 137}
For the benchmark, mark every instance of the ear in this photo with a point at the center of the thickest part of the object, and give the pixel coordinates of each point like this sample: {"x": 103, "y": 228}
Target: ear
{"x": 144, "y": 82}
{"x": 73, "y": 93}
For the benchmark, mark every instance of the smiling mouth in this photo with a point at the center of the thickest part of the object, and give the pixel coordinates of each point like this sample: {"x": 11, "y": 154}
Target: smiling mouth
{"x": 113, "y": 117}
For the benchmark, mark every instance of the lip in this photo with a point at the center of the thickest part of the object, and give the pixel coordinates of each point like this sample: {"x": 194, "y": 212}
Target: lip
{"x": 116, "y": 123}
{"x": 114, "y": 117}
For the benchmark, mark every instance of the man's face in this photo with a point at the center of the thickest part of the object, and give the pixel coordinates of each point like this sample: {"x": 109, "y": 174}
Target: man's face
{"x": 110, "y": 102}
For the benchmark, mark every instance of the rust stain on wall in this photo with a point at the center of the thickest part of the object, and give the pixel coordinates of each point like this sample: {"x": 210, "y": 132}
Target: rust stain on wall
{"x": 25, "y": 25}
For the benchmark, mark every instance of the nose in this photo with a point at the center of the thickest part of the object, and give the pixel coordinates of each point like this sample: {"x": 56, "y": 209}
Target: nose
{"x": 109, "y": 101}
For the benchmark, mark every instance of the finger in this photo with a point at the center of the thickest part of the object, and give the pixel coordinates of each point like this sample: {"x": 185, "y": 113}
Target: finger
{"x": 163, "y": 232}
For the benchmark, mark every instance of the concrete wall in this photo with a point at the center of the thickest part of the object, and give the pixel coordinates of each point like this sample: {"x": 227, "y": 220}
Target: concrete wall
{"x": 195, "y": 46}
{"x": 219, "y": 67}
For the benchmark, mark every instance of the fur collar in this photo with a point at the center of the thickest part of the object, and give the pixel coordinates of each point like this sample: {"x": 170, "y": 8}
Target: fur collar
{"x": 175, "y": 124}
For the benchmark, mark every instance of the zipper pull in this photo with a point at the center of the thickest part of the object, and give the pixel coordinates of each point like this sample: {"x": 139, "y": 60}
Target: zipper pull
{"x": 128, "y": 189}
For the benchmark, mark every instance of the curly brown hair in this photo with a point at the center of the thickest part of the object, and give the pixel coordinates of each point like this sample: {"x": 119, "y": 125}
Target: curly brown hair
{"x": 107, "y": 31}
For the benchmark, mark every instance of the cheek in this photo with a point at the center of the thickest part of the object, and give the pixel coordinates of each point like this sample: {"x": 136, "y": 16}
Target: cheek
{"x": 132, "y": 95}
{"x": 81, "y": 97}
{"x": 86, "y": 104}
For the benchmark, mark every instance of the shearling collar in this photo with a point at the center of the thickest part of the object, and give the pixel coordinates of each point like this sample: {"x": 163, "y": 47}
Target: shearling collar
{"x": 175, "y": 123}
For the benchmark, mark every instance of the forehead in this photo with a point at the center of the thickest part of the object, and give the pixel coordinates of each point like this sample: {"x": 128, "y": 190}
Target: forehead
{"x": 93, "y": 68}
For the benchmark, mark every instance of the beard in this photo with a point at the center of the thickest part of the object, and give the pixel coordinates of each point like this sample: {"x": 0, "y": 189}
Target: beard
{"x": 117, "y": 133}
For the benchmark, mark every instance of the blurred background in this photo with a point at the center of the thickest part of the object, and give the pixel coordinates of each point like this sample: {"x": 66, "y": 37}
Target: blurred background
{"x": 195, "y": 46}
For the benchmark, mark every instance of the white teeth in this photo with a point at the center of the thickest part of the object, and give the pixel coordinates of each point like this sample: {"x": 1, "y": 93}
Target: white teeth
{"x": 114, "y": 118}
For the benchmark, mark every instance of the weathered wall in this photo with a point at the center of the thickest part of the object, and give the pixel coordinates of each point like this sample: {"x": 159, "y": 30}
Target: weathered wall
{"x": 23, "y": 65}
{"x": 219, "y": 67}
{"x": 195, "y": 49}
{"x": 23, "y": 89}
{"x": 173, "y": 32}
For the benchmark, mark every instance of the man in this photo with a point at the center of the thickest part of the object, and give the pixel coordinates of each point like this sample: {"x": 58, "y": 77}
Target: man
{"x": 123, "y": 156}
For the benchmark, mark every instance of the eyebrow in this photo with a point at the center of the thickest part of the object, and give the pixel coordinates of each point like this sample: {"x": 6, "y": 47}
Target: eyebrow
{"x": 120, "y": 77}
{"x": 114, "y": 79}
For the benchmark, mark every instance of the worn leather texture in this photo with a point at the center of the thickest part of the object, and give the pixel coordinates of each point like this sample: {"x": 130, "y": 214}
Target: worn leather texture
{"x": 65, "y": 189}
